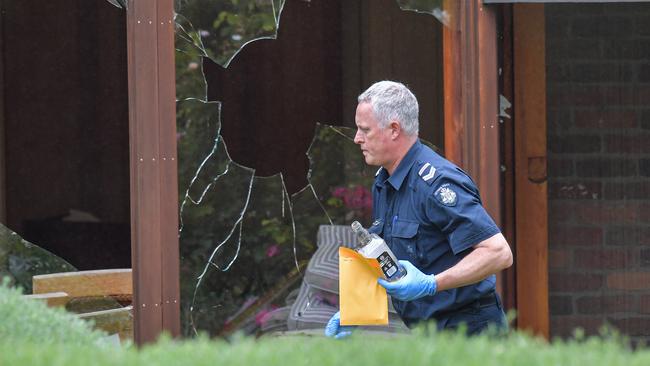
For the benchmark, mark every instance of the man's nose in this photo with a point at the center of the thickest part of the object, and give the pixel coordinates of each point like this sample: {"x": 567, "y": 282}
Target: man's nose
{"x": 357, "y": 138}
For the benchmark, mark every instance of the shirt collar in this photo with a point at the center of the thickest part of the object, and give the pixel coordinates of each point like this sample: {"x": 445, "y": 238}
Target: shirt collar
{"x": 397, "y": 178}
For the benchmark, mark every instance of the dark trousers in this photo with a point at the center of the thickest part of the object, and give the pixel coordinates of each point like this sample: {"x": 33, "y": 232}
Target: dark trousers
{"x": 479, "y": 316}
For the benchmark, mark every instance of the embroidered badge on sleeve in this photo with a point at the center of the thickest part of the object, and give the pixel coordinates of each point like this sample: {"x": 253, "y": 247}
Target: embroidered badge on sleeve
{"x": 445, "y": 195}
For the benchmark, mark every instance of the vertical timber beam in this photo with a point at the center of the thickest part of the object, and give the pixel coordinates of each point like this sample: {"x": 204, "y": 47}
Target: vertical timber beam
{"x": 486, "y": 123}
{"x": 531, "y": 202}
{"x": 507, "y": 145}
{"x": 154, "y": 197}
{"x": 453, "y": 83}
{"x": 169, "y": 169}
{"x": 471, "y": 97}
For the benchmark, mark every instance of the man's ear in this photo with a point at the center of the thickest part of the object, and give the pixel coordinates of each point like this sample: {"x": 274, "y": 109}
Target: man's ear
{"x": 395, "y": 129}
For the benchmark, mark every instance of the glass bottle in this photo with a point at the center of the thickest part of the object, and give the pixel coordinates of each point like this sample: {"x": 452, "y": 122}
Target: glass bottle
{"x": 373, "y": 246}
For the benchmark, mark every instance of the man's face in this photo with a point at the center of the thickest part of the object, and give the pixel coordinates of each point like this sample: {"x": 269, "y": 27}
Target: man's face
{"x": 374, "y": 141}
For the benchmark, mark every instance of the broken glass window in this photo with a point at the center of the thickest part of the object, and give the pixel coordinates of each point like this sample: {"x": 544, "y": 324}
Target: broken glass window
{"x": 245, "y": 241}
{"x": 263, "y": 187}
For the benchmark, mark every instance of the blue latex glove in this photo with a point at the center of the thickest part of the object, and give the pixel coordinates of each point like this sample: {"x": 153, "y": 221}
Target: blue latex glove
{"x": 334, "y": 328}
{"x": 412, "y": 286}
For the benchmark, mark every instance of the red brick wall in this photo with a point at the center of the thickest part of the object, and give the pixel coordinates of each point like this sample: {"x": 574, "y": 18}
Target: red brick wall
{"x": 598, "y": 99}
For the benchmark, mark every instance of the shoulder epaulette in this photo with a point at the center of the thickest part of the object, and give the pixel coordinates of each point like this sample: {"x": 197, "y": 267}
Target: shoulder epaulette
{"x": 427, "y": 172}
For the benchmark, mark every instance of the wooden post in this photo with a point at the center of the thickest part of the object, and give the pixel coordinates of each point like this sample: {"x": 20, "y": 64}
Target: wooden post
{"x": 471, "y": 96}
{"x": 507, "y": 152}
{"x": 471, "y": 100}
{"x": 531, "y": 202}
{"x": 154, "y": 194}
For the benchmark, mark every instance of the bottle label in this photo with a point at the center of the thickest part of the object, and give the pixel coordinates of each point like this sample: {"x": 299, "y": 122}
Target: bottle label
{"x": 387, "y": 264}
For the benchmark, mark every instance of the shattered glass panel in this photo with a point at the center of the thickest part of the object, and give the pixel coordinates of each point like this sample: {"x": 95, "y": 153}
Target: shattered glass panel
{"x": 220, "y": 28}
{"x": 433, "y": 7}
{"x": 20, "y": 260}
{"x": 253, "y": 219}
{"x": 244, "y": 240}
{"x": 190, "y": 79}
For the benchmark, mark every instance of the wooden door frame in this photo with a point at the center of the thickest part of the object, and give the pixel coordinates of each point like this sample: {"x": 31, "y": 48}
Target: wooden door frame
{"x": 154, "y": 171}
{"x": 531, "y": 199}
{"x": 471, "y": 97}
{"x": 471, "y": 100}
{"x": 503, "y": 153}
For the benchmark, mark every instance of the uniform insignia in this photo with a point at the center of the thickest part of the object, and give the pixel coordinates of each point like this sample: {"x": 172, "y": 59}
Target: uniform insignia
{"x": 427, "y": 172}
{"x": 424, "y": 167}
{"x": 446, "y": 195}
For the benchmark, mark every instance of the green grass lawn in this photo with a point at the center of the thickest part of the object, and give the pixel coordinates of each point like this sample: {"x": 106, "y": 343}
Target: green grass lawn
{"x": 32, "y": 334}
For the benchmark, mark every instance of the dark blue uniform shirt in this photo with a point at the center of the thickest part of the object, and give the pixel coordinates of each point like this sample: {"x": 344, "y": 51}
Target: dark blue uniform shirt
{"x": 430, "y": 213}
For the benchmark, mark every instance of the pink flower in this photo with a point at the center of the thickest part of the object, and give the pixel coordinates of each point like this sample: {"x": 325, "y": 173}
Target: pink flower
{"x": 367, "y": 202}
{"x": 340, "y": 192}
{"x": 358, "y": 198}
{"x": 272, "y": 250}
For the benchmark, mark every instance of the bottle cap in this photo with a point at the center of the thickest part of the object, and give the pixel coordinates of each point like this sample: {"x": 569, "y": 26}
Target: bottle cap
{"x": 356, "y": 226}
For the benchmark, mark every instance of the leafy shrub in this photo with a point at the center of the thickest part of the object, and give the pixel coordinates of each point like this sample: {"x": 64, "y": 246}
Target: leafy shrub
{"x": 33, "y": 334}
{"x": 25, "y": 320}
{"x": 419, "y": 349}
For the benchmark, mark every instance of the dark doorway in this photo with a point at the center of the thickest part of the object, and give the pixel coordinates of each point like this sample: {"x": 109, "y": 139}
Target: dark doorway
{"x": 66, "y": 139}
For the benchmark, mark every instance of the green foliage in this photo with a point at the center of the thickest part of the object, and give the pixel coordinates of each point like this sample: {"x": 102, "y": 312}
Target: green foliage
{"x": 360, "y": 349}
{"x": 31, "y": 321}
{"x": 32, "y": 334}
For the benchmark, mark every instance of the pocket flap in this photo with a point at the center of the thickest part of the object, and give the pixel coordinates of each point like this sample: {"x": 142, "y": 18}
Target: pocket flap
{"x": 377, "y": 227}
{"x": 405, "y": 229}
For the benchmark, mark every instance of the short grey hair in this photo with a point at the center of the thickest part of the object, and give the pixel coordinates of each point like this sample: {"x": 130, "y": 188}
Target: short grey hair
{"x": 391, "y": 101}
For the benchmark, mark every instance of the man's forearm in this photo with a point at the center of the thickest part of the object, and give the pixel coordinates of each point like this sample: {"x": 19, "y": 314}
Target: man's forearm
{"x": 488, "y": 257}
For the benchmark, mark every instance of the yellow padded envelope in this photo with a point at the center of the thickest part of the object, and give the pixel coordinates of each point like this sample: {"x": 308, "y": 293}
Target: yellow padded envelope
{"x": 362, "y": 300}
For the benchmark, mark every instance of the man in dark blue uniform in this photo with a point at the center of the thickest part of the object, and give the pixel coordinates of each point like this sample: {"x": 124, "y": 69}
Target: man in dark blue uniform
{"x": 429, "y": 212}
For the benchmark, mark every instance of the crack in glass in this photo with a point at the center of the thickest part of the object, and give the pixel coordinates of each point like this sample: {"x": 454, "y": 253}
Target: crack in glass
{"x": 249, "y": 266}
{"x": 195, "y": 118}
{"x": 220, "y": 29}
{"x": 190, "y": 78}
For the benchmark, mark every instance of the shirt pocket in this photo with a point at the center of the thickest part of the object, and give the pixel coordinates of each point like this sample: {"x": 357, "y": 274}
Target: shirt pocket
{"x": 404, "y": 236}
